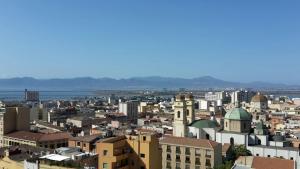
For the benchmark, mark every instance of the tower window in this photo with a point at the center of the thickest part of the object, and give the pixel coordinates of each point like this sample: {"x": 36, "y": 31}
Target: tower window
{"x": 187, "y": 112}
{"x": 178, "y": 114}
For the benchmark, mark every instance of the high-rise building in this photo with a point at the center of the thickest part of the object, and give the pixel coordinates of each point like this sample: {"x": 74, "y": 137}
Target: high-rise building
{"x": 241, "y": 96}
{"x": 215, "y": 96}
{"x": 132, "y": 152}
{"x": 13, "y": 119}
{"x": 130, "y": 109}
{"x": 190, "y": 153}
{"x": 32, "y": 96}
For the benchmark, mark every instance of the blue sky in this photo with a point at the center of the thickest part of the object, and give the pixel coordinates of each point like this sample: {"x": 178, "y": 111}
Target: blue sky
{"x": 257, "y": 40}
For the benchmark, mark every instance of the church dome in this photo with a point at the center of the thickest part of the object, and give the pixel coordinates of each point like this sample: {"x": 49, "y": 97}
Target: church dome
{"x": 238, "y": 114}
{"x": 204, "y": 124}
{"x": 259, "y": 98}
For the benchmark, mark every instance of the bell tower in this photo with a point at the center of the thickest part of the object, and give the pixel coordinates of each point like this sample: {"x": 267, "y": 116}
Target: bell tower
{"x": 190, "y": 109}
{"x": 180, "y": 118}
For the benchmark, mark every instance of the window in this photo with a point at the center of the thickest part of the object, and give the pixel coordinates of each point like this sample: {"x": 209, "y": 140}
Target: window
{"x": 78, "y": 143}
{"x": 169, "y": 165}
{"x": 143, "y": 155}
{"x": 232, "y": 141}
{"x": 178, "y": 114}
{"x": 292, "y": 158}
{"x": 178, "y": 150}
{"x": 144, "y": 138}
{"x": 197, "y": 161}
{"x": 105, "y": 152}
{"x": 226, "y": 124}
{"x": 269, "y": 156}
{"x": 178, "y": 166}
{"x": 187, "y": 151}
{"x": 187, "y": 112}
{"x": 168, "y": 148}
{"x": 197, "y": 152}
{"x": 257, "y": 155}
{"x": 104, "y": 165}
{"x": 207, "y": 163}
{"x": 177, "y": 158}
{"x": 208, "y": 154}
{"x": 187, "y": 166}
{"x": 169, "y": 157}
{"x": 84, "y": 145}
{"x": 187, "y": 159}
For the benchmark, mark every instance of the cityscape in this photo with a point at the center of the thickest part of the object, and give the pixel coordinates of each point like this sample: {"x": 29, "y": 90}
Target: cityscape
{"x": 149, "y": 84}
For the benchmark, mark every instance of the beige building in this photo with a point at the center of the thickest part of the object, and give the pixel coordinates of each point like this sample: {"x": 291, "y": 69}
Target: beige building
{"x": 190, "y": 153}
{"x": 130, "y": 152}
{"x": 50, "y": 141}
{"x": 13, "y": 119}
{"x": 258, "y": 103}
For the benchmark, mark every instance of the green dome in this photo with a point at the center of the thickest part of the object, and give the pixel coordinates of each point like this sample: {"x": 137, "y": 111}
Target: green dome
{"x": 204, "y": 124}
{"x": 238, "y": 114}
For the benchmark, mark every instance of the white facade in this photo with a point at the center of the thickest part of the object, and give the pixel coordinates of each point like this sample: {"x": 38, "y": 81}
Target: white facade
{"x": 214, "y": 96}
{"x": 203, "y": 104}
{"x": 203, "y": 133}
{"x": 289, "y": 153}
{"x": 237, "y": 138}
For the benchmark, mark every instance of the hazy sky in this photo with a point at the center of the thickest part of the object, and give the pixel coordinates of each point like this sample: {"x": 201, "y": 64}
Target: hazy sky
{"x": 237, "y": 40}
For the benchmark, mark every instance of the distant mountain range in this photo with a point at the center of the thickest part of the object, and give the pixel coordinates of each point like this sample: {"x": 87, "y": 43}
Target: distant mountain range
{"x": 153, "y": 82}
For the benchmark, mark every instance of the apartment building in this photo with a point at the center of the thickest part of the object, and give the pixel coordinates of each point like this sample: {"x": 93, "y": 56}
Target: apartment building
{"x": 190, "y": 153}
{"x": 130, "y": 152}
{"x": 12, "y": 119}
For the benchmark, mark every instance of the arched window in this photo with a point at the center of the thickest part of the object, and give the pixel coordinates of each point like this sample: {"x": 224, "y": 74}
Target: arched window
{"x": 226, "y": 124}
{"x": 259, "y": 142}
{"x": 178, "y": 114}
{"x": 207, "y": 136}
{"x": 187, "y": 112}
{"x": 232, "y": 141}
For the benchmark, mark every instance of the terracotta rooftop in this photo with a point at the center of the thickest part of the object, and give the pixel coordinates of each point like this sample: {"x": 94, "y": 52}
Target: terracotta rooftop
{"x": 189, "y": 142}
{"x": 88, "y": 139}
{"x": 112, "y": 139}
{"x": 272, "y": 163}
{"x": 26, "y": 135}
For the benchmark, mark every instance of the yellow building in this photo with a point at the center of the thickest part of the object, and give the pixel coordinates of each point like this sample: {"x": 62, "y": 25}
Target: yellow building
{"x": 130, "y": 152}
{"x": 190, "y": 153}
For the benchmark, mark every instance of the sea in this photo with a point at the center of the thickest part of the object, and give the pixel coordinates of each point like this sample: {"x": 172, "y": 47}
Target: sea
{"x": 48, "y": 95}
{"x": 77, "y": 95}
